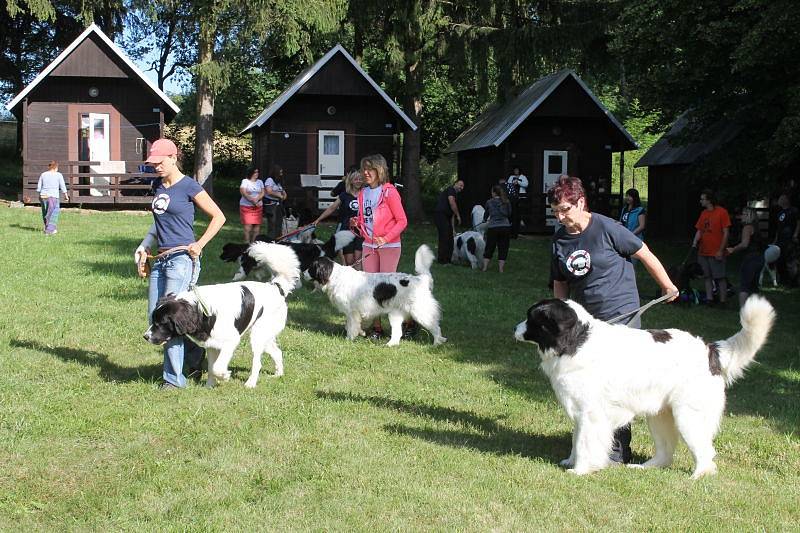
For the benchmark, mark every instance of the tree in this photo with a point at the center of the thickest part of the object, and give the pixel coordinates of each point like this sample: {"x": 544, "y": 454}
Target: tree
{"x": 731, "y": 61}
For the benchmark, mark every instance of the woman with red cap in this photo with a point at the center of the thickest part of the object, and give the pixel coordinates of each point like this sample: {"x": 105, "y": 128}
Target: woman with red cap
{"x": 177, "y": 265}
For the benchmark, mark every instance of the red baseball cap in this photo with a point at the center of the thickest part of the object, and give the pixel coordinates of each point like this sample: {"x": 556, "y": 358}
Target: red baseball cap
{"x": 160, "y": 149}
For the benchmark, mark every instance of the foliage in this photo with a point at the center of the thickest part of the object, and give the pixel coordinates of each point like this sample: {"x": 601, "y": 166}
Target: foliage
{"x": 356, "y": 436}
{"x": 232, "y": 154}
{"x": 725, "y": 62}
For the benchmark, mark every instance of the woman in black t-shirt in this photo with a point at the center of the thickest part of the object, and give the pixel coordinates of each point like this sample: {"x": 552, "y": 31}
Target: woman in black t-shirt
{"x": 347, "y": 204}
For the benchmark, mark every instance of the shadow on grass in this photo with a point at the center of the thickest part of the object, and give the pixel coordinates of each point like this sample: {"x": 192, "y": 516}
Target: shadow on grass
{"x": 107, "y": 370}
{"x": 27, "y": 228}
{"x": 487, "y": 435}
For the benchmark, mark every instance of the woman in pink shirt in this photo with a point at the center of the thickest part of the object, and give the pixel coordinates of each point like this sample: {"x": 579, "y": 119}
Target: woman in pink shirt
{"x": 381, "y": 221}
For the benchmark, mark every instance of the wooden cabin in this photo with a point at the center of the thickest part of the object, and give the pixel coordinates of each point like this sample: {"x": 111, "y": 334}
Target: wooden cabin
{"x": 554, "y": 126}
{"x": 325, "y": 121}
{"x": 96, "y": 114}
{"x": 673, "y": 203}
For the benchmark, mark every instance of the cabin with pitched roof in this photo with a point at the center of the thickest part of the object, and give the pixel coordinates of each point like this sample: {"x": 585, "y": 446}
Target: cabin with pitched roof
{"x": 673, "y": 191}
{"x": 554, "y": 126}
{"x": 96, "y": 114}
{"x": 325, "y": 121}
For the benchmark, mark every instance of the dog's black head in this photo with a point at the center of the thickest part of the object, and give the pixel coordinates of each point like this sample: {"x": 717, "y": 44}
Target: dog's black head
{"x": 553, "y": 325}
{"x": 320, "y": 270}
{"x": 174, "y": 318}
{"x": 306, "y": 252}
{"x": 232, "y": 251}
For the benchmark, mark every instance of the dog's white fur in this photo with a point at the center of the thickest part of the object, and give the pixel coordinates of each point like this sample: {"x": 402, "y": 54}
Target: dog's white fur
{"x": 771, "y": 254}
{"x": 619, "y": 373}
{"x": 461, "y": 252}
{"x": 352, "y": 292}
{"x": 224, "y": 301}
{"x": 478, "y": 212}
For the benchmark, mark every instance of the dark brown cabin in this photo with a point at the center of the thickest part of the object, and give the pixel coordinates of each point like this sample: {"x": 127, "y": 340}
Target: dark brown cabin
{"x": 92, "y": 111}
{"x": 326, "y": 120}
{"x": 555, "y": 126}
{"x": 673, "y": 192}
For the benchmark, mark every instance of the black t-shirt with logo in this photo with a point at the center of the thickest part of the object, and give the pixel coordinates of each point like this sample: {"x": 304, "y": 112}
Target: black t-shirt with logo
{"x": 595, "y": 266}
{"x": 348, "y": 208}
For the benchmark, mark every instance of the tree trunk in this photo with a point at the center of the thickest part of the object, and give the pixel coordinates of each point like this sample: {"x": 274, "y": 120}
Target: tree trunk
{"x": 412, "y": 142}
{"x": 204, "y": 133}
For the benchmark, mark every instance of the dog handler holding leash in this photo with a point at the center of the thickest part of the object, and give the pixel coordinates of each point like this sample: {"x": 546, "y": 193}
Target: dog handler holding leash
{"x": 177, "y": 265}
{"x": 591, "y": 264}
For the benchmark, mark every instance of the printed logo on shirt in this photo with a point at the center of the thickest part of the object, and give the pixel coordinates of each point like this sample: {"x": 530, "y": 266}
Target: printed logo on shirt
{"x": 160, "y": 204}
{"x": 579, "y": 263}
{"x": 354, "y": 205}
{"x": 368, "y": 212}
{"x": 782, "y": 217}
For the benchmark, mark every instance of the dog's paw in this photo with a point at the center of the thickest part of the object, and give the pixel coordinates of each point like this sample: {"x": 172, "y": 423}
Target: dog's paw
{"x": 636, "y": 466}
{"x": 440, "y": 340}
{"x": 393, "y": 343}
{"x": 708, "y": 470}
{"x": 578, "y": 472}
{"x": 250, "y": 383}
{"x": 567, "y": 463}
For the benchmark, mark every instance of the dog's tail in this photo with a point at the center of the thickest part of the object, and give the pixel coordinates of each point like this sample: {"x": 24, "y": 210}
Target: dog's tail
{"x": 338, "y": 240}
{"x": 423, "y": 260}
{"x": 280, "y": 260}
{"x": 735, "y": 354}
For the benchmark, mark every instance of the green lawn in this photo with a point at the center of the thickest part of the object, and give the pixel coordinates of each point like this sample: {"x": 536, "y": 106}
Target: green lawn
{"x": 355, "y": 436}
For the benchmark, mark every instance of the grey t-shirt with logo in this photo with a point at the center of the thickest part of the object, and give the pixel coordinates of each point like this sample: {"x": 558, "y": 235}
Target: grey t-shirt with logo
{"x": 595, "y": 266}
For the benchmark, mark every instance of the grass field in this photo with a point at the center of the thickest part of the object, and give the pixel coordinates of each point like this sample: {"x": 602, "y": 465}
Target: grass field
{"x": 355, "y": 436}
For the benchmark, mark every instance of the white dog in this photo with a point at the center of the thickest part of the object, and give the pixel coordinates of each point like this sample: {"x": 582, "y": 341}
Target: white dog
{"x": 216, "y": 316}
{"x": 771, "y": 254}
{"x": 469, "y": 247}
{"x": 604, "y": 375}
{"x": 477, "y": 215}
{"x": 361, "y": 295}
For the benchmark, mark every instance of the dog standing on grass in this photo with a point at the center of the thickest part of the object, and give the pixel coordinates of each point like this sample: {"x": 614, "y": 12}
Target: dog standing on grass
{"x": 216, "y": 316}
{"x": 671, "y": 377}
{"x": 364, "y": 296}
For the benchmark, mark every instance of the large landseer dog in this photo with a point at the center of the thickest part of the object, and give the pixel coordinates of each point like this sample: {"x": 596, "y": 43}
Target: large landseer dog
{"x": 604, "y": 375}
{"x": 251, "y": 260}
{"x": 361, "y": 295}
{"x": 216, "y": 316}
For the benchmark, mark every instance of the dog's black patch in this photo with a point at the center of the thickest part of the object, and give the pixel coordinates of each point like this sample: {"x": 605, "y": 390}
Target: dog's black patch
{"x": 232, "y": 251}
{"x": 248, "y": 305}
{"x": 175, "y": 318}
{"x": 660, "y": 335}
{"x": 714, "y": 365}
{"x": 553, "y": 324}
{"x": 320, "y": 270}
{"x": 471, "y": 246}
{"x": 384, "y": 292}
{"x": 404, "y": 282}
{"x": 260, "y": 312}
{"x": 459, "y": 243}
{"x": 306, "y": 253}
{"x": 248, "y": 263}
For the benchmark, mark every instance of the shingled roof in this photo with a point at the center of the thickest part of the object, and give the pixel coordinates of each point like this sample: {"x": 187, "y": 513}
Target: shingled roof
{"x": 306, "y": 76}
{"x": 664, "y": 152}
{"x": 500, "y": 121}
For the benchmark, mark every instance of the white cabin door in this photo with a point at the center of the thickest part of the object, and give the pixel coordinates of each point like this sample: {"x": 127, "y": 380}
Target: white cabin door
{"x": 331, "y": 153}
{"x": 555, "y": 164}
{"x": 99, "y": 150}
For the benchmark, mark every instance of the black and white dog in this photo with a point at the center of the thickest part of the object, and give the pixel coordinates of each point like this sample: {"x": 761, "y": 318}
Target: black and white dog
{"x": 362, "y": 296}
{"x": 252, "y": 260}
{"x": 216, "y": 316}
{"x": 468, "y": 247}
{"x": 604, "y": 375}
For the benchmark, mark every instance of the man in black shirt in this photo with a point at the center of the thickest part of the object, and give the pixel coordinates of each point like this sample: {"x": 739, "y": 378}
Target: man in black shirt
{"x": 786, "y": 237}
{"x": 446, "y": 209}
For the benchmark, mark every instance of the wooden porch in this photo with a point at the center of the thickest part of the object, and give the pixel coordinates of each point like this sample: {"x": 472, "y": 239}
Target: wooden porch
{"x": 93, "y": 182}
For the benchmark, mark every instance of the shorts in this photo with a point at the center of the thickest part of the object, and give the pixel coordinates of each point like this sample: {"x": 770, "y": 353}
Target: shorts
{"x": 251, "y": 214}
{"x": 354, "y": 246}
{"x": 713, "y": 268}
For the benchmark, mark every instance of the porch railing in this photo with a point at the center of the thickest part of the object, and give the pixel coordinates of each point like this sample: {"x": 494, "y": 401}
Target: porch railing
{"x": 97, "y": 182}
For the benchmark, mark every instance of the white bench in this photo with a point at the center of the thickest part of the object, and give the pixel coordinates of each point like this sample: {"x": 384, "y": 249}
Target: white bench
{"x": 323, "y": 186}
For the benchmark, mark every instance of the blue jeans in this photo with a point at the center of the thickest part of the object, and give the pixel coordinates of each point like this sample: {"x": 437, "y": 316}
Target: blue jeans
{"x": 174, "y": 274}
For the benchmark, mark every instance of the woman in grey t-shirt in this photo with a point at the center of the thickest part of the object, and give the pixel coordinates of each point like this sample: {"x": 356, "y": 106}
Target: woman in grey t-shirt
{"x": 498, "y": 231}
